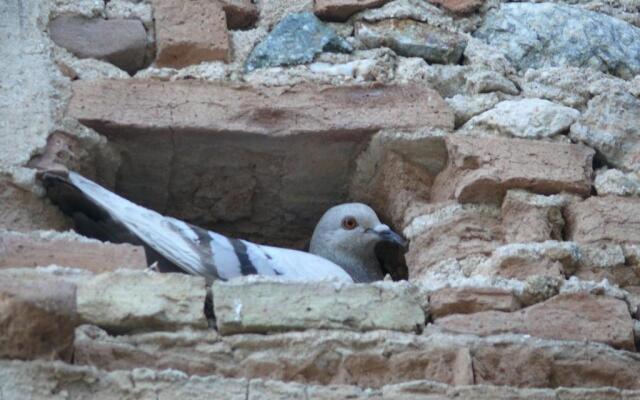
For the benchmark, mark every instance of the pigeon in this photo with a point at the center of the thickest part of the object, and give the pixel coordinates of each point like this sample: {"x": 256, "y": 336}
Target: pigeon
{"x": 349, "y": 244}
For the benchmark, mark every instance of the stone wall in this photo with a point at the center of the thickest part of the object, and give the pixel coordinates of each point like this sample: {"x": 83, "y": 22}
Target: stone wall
{"x": 502, "y": 139}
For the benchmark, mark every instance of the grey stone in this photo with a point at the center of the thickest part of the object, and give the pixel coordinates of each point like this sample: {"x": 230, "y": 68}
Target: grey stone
{"x": 125, "y": 301}
{"x": 634, "y": 86}
{"x": 261, "y": 306}
{"x": 297, "y": 39}
{"x": 616, "y": 182}
{"x": 121, "y": 42}
{"x": 611, "y": 125}
{"x": 412, "y": 39}
{"x": 572, "y": 86}
{"x": 552, "y": 35}
{"x": 467, "y": 107}
{"x": 482, "y": 80}
{"x": 525, "y": 118}
{"x": 451, "y": 80}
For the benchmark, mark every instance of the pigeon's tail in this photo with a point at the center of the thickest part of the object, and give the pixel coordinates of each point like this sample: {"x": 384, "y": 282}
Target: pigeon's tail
{"x": 101, "y": 219}
{"x": 90, "y": 218}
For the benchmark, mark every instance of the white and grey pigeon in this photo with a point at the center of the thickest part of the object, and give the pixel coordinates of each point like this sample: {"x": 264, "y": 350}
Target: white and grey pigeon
{"x": 349, "y": 243}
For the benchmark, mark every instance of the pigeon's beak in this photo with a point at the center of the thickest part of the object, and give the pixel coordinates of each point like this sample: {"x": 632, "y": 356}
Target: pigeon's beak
{"x": 387, "y": 235}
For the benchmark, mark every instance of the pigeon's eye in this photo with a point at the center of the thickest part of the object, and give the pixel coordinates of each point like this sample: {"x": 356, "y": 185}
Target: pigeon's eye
{"x": 349, "y": 223}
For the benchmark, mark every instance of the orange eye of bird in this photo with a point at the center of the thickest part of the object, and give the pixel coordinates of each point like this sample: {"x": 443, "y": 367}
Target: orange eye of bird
{"x": 349, "y": 223}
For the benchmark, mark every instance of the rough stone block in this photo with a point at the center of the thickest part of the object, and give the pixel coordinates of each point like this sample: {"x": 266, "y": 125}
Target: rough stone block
{"x": 411, "y": 38}
{"x": 241, "y": 14}
{"x": 470, "y": 300}
{"x": 190, "y": 32}
{"x": 38, "y": 313}
{"x": 395, "y": 173}
{"x": 551, "y": 259}
{"x": 216, "y": 108}
{"x": 451, "y": 231}
{"x": 341, "y": 10}
{"x": 483, "y": 169}
{"x": 526, "y": 118}
{"x": 610, "y": 125}
{"x": 608, "y": 261}
{"x": 125, "y": 301}
{"x": 121, "y": 42}
{"x": 528, "y": 217}
{"x": 45, "y": 248}
{"x": 566, "y": 317}
{"x": 604, "y": 219}
{"x": 250, "y": 306}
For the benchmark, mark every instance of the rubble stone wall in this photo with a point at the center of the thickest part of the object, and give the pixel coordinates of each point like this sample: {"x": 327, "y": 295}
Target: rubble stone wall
{"x": 501, "y": 138}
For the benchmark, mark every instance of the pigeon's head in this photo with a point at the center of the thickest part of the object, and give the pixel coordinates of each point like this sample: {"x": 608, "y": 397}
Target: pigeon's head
{"x": 348, "y": 234}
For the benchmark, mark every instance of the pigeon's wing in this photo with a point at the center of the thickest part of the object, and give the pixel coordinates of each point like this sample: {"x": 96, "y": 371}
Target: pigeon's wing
{"x": 192, "y": 249}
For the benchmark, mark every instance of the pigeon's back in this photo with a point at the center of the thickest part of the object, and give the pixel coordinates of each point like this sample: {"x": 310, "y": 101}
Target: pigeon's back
{"x": 107, "y": 216}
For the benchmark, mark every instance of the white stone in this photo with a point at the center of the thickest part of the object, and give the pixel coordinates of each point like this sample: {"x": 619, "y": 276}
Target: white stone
{"x": 526, "y": 118}
{"x": 161, "y": 74}
{"x": 611, "y": 125}
{"x": 208, "y": 71}
{"x": 616, "y": 182}
{"x": 601, "y": 255}
{"x": 482, "y": 80}
{"x": 124, "y": 9}
{"x": 466, "y": 107}
{"x": 124, "y": 301}
{"x": 575, "y": 285}
{"x": 262, "y": 306}
{"x": 87, "y": 8}
{"x": 87, "y": 68}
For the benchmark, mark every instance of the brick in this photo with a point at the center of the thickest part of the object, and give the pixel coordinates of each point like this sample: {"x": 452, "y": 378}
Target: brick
{"x": 241, "y": 14}
{"x": 341, "y": 10}
{"x": 483, "y": 169}
{"x": 567, "y": 317}
{"x": 67, "y": 250}
{"x": 38, "y": 313}
{"x": 604, "y": 219}
{"x": 190, "y": 32}
{"x": 470, "y": 300}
